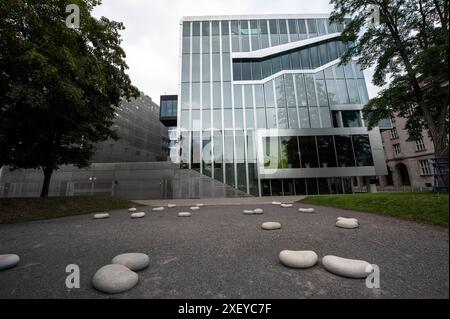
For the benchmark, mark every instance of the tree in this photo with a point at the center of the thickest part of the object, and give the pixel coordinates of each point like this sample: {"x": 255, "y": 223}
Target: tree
{"x": 59, "y": 86}
{"x": 409, "y": 47}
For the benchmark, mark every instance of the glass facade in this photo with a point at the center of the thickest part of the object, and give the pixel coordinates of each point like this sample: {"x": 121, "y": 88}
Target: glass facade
{"x": 228, "y": 97}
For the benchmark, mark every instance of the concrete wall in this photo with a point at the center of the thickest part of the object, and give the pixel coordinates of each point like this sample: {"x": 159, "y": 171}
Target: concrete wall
{"x": 147, "y": 180}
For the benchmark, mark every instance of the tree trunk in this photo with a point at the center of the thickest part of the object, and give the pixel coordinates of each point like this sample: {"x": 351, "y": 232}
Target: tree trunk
{"x": 48, "y": 171}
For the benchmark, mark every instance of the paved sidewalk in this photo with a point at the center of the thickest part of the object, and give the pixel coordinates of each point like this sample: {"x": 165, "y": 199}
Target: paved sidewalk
{"x": 222, "y": 201}
{"x": 221, "y": 253}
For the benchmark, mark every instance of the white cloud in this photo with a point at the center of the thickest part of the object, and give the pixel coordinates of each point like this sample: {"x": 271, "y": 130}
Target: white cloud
{"x": 151, "y": 37}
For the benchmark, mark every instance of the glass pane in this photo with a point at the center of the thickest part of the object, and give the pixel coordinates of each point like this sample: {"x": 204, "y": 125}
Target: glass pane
{"x": 256, "y": 71}
{"x": 227, "y": 95}
{"x": 206, "y": 119}
{"x": 322, "y": 26}
{"x": 186, "y": 28}
{"x": 195, "y": 151}
{"x": 184, "y": 96}
{"x": 332, "y": 95}
{"x": 225, "y": 43}
{"x": 324, "y": 187}
{"x": 363, "y": 151}
{"x": 246, "y": 71}
{"x": 238, "y": 118}
{"x": 322, "y": 92}
{"x": 290, "y": 90}
{"x": 206, "y": 68}
{"x": 248, "y": 96}
{"x": 277, "y": 187}
{"x": 304, "y": 117}
{"x": 300, "y": 187}
{"x": 271, "y": 118}
{"x": 268, "y": 89}
{"x": 249, "y": 119}
{"x": 265, "y": 187}
{"x": 363, "y": 91}
{"x": 195, "y": 95}
{"x": 206, "y": 95}
{"x": 271, "y": 149}
{"x": 279, "y": 90}
{"x": 259, "y": 95}
{"x": 228, "y": 118}
{"x": 325, "y": 147}
{"x": 282, "y": 118}
{"x": 226, "y": 61}
{"x": 342, "y": 90}
{"x": 293, "y": 120}
{"x": 325, "y": 116}
{"x": 218, "y": 156}
{"x": 353, "y": 91}
{"x": 217, "y": 119}
{"x": 302, "y": 29}
{"x": 300, "y": 90}
{"x": 314, "y": 54}
{"x": 288, "y": 187}
{"x": 312, "y": 28}
{"x": 195, "y": 44}
{"x": 310, "y": 90}
{"x": 185, "y": 120}
{"x": 289, "y": 152}
{"x": 304, "y": 58}
{"x": 185, "y": 68}
{"x": 311, "y": 185}
{"x": 196, "y": 68}
{"x": 206, "y": 153}
{"x": 308, "y": 151}
{"x": 261, "y": 118}
{"x": 345, "y": 150}
{"x": 184, "y": 149}
{"x": 217, "y": 95}
{"x": 314, "y": 116}
{"x": 216, "y": 66}
{"x": 351, "y": 119}
{"x": 238, "y": 96}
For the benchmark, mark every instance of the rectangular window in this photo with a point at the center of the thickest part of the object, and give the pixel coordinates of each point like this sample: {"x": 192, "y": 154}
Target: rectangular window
{"x": 271, "y": 152}
{"x": 261, "y": 118}
{"x": 226, "y": 61}
{"x": 327, "y": 153}
{"x": 206, "y": 119}
{"x": 304, "y": 117}
{"x": 238, "y": 96}
{"x": 292, "y": 115}
{"x": 259, "y": 95}
{"x": 216, "y": 66}
{"x": 312, "y": 28}
{"x": 195, "y": 151}
{"x": 228, "y": 118}
{"x": 290, "y": 90}
{"x": 206, "y": 63}
{"x": 420, "y": 145}
{"x": 322, "y": 26}
{"x": 282, "y": 118}
{"x": 218, "y": 152}
{"x": 283, "y": 31}
{"x": 293, "y": 32}
{"x": 238, "y": 118}
{"x": 249, "y": 119}
{"x": 342, "y": 91}
{"x": 351, "y": 119}
{"x": 196, "y": 67}
{"x": 195, "y": 95}
{"x": 308, "y": 151}
{"x": 288, "y": 187}
{"x": 394, "y": 133}
{"x": 300, "y": 90}
{"x": 424, "y": 168}
{"x": 363, "y": 151}
{"x": 397, "y": 150}
{"x": 217, "y": 95}
{"x": 344, "y": 150}
{"x": 300, "y": 186}
{"x": 217, "y": 119}
{"x": 268, "y": 89}
{"x": 302, "y": 29}
{"x": 227, "y": 95}
{"x": 310, "y": 90}
{"x": 271, "y": 118}
{"x": 248, "y": 96}
{"x": 311, "y": 186}
{"x": 274, "y": 33}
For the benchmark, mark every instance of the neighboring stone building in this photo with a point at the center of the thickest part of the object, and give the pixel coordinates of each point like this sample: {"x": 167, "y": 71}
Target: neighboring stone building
{"x": 409, "y": 162}
{"x": 142, "y": 137}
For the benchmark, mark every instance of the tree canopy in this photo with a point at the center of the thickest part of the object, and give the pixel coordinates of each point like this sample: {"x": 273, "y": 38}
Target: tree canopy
{"x": 409, "y": 49}
{"x": 59, "y": 86}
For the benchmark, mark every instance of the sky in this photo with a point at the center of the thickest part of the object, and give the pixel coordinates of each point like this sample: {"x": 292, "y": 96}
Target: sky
{"x": 151, "y": 35}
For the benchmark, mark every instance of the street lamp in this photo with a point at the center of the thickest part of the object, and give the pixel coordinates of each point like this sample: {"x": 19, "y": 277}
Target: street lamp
{"x": 92, "y": 179}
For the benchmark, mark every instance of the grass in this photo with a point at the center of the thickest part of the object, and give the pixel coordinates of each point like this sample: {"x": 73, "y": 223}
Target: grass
{"x": 424, "y": 207}
{"x": 14, "y": 210}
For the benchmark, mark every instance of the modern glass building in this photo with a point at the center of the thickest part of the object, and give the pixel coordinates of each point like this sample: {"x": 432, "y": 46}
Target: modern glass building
{"x": 264, "y": 107}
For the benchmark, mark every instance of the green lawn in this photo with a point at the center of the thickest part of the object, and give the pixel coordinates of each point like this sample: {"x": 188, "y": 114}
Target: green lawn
{"x": 13, "y": 210}
{"x": 425, "y": 207}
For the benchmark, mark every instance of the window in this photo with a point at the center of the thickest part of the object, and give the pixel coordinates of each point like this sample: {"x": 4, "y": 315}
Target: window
{"x": 308, "y": 152}
{"x": 344, "y": 152}
{"x": 351, "y": 118}
{"x": 420, "y": 146}
{"x": 424, "y": 167}
{"x": 327, "y": 155}
{"x": 394, "y": 133}
{"x": 397, "y": 150}
{"x": 363, "y": 151}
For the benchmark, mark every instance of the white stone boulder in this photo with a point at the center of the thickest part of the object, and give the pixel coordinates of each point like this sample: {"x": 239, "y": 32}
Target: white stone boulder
{"x": 306, "y": 210}
{"x": 132, "y": 210}
{"x": 271, "y": 226}
{"x": 348, "y": 224}
{"x": 248, "y": 212}
{"x": 171, "y": 205}
{"x": 287, "y": 205}
{"x": 113, "y": 279}
{"x": 258, "y": 211}
{"x": 348, "y": 219}
{"x": 200, "y": 205}
{"x": 138, "y": 215}
{"x": 276, "y": 203}
{"x": 158, "y": 209}
{"x": 350, "y": 268}
{"x": 133, "y": 261}
{"x": 298, "y": 259}
{"x": 184, "y": 214}
{"x": 101, "y": 216}
{"x": 194, "y": 208}
{"x": 8, "y": 261}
